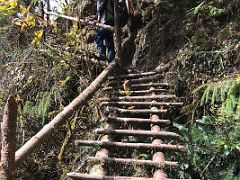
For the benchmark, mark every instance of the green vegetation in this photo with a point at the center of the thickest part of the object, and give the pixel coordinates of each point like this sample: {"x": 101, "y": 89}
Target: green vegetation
{"x": 42, "y": 65}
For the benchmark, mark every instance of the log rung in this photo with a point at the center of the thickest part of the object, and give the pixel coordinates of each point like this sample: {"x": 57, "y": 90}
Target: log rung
{"x": 135, "y": 103}
{"x": 138, "y": 80}
{"x": 132, "y": 75}
{"x": 133, "y": 86}
{"x": 161, "y": 165}
{"x": 125, "y": 132}
{"x": 160, "y": 147}
{"x": 81, "y": 176}
{"x": 136, "y": 120}
{"x": 135, "y": 111}
{"x": 142, "y": 92}
{"x": 126, "y": 98}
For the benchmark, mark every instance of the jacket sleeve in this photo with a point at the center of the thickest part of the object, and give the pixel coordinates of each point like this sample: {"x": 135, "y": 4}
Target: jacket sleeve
{"x": 101, "y": 5}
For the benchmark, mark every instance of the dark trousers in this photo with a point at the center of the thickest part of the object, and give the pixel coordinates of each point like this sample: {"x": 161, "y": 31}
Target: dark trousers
{"x": 107, "y": 36}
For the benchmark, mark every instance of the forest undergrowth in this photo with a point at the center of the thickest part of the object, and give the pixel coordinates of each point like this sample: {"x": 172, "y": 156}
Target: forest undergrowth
{"x": 45, "y": 67}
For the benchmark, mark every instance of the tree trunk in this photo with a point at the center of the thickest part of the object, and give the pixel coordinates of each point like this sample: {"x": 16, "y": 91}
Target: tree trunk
{"x": 8, "y": 129}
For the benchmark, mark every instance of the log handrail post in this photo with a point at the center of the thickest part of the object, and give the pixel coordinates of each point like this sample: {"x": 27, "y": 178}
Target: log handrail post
{"x": 117, "y": 30}
{"x": 8, "y": 133}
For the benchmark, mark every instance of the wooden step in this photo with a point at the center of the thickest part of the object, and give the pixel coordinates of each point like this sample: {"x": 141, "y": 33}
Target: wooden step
{"x": 136, "y": 120}
{"x": 135, "y": 111}
{"x": 131, "y": 132}
{"x": 140, "y": 98}
{"x": 160, "y": 147}
{"x": 128, "y": 76}
{"x": 81, "y": 176}
{"x": 134, "y": 93}
{"x": 138, "y": 80}
{"x": 127, "y": 161}
{"x": 140, "y": 86}
{"x": 137, "y": 103}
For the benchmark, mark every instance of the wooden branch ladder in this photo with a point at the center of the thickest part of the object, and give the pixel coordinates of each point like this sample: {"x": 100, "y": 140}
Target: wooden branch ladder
{"x": 148, "y": 105}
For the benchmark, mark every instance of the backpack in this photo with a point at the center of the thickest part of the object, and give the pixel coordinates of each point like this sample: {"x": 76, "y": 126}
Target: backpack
{"x": 123, "y": 12}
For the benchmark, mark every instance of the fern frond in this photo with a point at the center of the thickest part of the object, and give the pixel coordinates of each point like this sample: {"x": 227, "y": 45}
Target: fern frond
{"x": 199, "y": 88}
{"x": 205, "y": 95}
{"x": 214, "y": 94}
{"x": 223, "y": 90}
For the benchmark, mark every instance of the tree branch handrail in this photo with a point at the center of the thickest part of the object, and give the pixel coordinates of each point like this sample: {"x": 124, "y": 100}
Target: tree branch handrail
{"x": 94, "y": 23}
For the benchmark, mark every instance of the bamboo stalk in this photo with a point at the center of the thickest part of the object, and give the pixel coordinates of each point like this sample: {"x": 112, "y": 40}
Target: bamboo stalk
{"x": 136, "y": 120}
{"x": 133, "y": 103}
{"x": 162, "y": 147}
{"x": 135, "y": 111}
{"x": 131, "y": 75}
{"x": 131, "y": 132}
{"x": 165, "y": 164}
{"x": 67, "y": 112}
{"x": 8, "y": 132}
{"x": 83, "y": 21}
{"x": 128, "y": 98}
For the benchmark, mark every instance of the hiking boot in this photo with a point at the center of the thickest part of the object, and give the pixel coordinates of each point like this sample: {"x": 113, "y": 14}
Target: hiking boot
{"x": 111, "y": 55}
{"x": 102, "y": 56}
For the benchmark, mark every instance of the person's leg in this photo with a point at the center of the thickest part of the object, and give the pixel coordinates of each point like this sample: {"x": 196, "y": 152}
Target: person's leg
{"x": 99, "y": 39}
{"x": 109, "y": 41}
{"x": 110, "y": 46}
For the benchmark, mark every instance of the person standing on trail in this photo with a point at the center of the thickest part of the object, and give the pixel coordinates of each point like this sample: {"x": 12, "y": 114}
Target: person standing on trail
{"x": 104, "y": 38}
{"x": 105, "y": 15}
